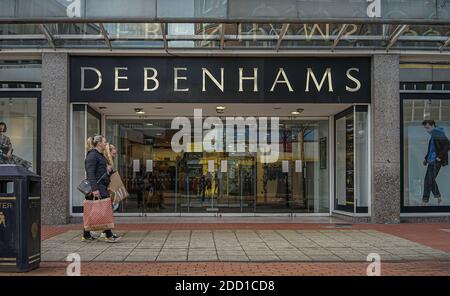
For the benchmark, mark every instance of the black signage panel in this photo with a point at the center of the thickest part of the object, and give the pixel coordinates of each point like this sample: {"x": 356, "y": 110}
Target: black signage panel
{"x": 225, "y": 80}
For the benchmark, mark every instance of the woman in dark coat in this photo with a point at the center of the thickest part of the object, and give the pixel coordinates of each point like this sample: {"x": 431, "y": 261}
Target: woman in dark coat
{"x": 97, "y": 174}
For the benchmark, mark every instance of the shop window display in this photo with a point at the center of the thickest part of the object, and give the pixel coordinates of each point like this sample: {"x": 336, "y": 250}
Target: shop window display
{"x": 18, "y": 132}
{"x": 426, "y": 128}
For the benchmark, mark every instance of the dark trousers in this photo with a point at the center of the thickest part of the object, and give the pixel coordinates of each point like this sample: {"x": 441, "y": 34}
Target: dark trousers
{"x": 104, "y": 194}
{"x": 430, "y": 184}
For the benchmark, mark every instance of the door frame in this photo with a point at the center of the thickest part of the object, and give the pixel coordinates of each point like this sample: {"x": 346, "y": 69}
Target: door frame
{"x": 357, "y": 211}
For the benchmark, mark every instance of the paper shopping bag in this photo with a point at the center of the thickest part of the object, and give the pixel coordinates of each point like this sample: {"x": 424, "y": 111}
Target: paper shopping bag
{"x": 98, "y": 214}
{"x": 117, "y": 189}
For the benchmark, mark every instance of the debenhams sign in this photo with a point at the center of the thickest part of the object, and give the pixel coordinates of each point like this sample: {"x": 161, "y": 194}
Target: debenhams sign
{"x": 203, "y": 80}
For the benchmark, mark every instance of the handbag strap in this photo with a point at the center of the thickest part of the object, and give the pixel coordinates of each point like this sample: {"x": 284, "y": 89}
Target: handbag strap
{"x": 93, "y": 197}
{"x": 101, "y": 177}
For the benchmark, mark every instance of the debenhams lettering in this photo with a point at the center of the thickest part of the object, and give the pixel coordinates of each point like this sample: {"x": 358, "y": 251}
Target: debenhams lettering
{"x": 313, "y": 80}
{"x": 223, "y": 79}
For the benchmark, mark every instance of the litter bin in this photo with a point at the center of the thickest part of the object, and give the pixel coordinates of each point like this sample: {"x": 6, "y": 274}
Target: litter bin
{"x": 20, "y": 219}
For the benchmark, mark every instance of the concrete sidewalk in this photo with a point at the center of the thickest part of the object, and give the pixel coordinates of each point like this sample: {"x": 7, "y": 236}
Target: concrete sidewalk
{"x": 252, "y": 247}
{"x": 241, "y": 245}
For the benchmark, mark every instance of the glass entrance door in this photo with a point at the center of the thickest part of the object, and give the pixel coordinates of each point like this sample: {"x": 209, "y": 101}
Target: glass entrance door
{"x": 240, "y": 184}
{"x": 219, "y": 182}
{"x": 147, "y": 164}
{"x": 160, "y": 180}
{"x": 299, "y": 180}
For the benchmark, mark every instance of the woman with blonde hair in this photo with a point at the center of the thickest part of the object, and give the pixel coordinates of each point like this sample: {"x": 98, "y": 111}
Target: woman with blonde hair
{"x": 111, "y": 154}
{"x": 89, "y": 144}
{"x": 96, "y": 167}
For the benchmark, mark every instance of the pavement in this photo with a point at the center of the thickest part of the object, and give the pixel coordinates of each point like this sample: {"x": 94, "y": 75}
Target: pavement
{"x": 241, "y": 245}
{"x": 245, "y": 248}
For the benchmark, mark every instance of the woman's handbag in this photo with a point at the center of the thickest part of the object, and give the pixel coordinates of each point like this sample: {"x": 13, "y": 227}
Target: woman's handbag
{"x": 85, "y": 187}
{"x": 98, "y": 214}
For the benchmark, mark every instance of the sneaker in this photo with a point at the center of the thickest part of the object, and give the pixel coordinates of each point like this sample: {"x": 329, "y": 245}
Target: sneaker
{"x": 95, "y": 234}
{"x": 87, "y": 238}
{"x": 113, "y": 239}
{"x": 103, "y": 235}
{"x": 115, "y": 207}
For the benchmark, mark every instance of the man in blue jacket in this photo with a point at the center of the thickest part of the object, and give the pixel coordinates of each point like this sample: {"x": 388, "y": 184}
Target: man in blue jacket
{"x": 436, "y": 157}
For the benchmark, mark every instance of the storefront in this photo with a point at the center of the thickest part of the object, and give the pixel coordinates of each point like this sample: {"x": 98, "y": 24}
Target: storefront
{"x": 301, "y": 94}
{"x": 192, "y": 94}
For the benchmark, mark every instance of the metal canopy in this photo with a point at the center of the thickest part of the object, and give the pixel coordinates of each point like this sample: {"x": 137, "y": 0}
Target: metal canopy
{"x": 430, "y": 12}
{"x": 223, "y": 37}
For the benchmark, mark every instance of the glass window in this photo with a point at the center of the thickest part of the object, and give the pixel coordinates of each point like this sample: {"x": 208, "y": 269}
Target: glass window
{"x": 18, "y": 133}
{"x": 249, "y": 35}
{"x": 85, "y": 123}
{"x": 426, "y": 124}
{"x": 344, "y": 163}
{"x": 135, "y": 35}
{"x": 78, "y": 152}
{"x": 19, "y": 29}
{"x": 120, "y": 8}
{"x": 198, "y": 35}
{"x": 81, "y": 30}
{"x": 161, "y": 180}
{"x": 423, "y": 37}
{"x": 20, "y": 74}
{"x": 192, "y": 8}
{"x": 362, "y": 159}
{"x": 352, "y": 186}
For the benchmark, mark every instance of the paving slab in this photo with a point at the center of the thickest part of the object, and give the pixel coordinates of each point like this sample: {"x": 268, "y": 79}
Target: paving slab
{"x": 333, "y": 245}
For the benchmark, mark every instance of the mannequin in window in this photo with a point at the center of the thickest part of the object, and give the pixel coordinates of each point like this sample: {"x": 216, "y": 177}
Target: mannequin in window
{"x": 436, "y": 157}
{"x": 6, "y": 149}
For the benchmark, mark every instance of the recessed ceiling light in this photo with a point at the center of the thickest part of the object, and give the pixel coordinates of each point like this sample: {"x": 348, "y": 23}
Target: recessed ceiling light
{"x": 158, "y": 134}
{"x": 220, "y": 109}
{"x": 139, "y": 110}
{"x": 297, "y": 111}
{"x": 149, "y": 124}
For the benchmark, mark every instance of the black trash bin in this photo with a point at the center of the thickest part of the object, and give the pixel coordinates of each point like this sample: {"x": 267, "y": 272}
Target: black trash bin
{"x": 20, "y": 219}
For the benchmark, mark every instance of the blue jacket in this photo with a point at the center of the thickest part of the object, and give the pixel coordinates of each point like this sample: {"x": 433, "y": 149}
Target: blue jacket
{"x": 438, "y": 146}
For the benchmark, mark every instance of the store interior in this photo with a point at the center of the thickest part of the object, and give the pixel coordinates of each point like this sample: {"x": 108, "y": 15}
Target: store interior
{"x": 161, "y": 180}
